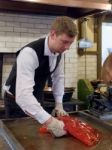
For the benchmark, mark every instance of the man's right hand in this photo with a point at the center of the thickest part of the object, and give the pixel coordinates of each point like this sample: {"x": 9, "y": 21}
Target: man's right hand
{"x": 56, "y": 127}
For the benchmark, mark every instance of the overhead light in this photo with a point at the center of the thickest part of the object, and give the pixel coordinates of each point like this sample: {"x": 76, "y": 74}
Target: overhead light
{"x": 85, "y": 42}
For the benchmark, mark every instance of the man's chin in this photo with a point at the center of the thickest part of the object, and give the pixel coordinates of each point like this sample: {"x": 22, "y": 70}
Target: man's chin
{"x": 61, "y": 51}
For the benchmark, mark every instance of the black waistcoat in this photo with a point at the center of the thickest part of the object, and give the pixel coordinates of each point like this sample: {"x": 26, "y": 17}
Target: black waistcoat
{"x": 42, "y": 73}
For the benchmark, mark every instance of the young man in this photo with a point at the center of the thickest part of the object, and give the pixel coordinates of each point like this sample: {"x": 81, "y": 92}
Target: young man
{"x": 34, "y": 63}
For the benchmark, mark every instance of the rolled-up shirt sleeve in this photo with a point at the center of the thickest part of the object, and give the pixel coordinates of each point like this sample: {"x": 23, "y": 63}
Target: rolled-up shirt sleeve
{"x": 27, "y": 62}
{"x": 58, "y": 81}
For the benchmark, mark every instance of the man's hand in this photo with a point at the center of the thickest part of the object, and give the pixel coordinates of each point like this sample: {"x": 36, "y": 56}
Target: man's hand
{"x": 56, "y": 127}
{"x": 59, "y": 111}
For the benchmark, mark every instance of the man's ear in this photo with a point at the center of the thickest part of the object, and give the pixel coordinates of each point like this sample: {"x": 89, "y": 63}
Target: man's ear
{"x": 53, "y": 34}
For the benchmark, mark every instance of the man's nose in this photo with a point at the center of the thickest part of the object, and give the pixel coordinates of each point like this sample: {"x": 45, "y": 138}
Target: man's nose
{"x": 67, "y": 46}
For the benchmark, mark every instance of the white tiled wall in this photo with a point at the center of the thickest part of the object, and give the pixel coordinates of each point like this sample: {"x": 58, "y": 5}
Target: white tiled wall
{"x": 87, "y": 67}
{"x": 71, "y": 67}
{"x": 16, "y": 30}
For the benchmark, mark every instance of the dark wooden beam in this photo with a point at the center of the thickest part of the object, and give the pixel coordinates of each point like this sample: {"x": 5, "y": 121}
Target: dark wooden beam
{"x": 73, "y": 8}
{"x": 71, "y": 3}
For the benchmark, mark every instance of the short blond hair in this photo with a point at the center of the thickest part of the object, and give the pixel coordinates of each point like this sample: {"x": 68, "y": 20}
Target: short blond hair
{"x": 64, "y": 24}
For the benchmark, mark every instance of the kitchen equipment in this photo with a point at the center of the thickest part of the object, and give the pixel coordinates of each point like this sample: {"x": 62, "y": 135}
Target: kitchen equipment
{"x": 23, "y": 134}
{"x": 68, "y": 92}
{"x": 95, "y": 83}
{"x": 101, "y": 102}
{"x": 68, "y": 103}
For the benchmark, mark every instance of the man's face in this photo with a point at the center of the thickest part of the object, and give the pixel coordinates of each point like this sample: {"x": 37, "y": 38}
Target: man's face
{"x": 61, "y": 43}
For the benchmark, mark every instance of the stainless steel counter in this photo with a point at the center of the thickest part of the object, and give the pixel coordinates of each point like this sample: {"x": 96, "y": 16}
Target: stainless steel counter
{"x": 23, "y": 134}
{"x": 3, "y": 144}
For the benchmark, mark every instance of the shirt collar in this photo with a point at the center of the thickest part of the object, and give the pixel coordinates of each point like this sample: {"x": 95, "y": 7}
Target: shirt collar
{"x": 47, "y": 51}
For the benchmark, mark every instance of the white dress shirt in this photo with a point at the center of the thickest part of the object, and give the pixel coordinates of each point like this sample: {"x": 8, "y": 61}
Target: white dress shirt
{"x": 27, "y": 62}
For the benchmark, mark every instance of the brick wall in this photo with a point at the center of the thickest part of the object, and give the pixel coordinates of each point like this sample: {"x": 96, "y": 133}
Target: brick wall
{"x": 16, "y": 30}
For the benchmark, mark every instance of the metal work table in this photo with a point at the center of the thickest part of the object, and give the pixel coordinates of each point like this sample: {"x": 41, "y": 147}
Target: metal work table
{"x": 23, "y": 134}
{"x": 3, "y": 144}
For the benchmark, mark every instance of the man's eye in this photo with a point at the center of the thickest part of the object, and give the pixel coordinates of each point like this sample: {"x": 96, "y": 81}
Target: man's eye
{"x": 64, "y": 42}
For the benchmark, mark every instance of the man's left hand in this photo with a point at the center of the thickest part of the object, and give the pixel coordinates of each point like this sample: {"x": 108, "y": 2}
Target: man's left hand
{"x": 59, "y": 111}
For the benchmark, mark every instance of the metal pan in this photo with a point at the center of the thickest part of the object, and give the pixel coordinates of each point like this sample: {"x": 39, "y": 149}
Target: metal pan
{"x": 25, "y": 133}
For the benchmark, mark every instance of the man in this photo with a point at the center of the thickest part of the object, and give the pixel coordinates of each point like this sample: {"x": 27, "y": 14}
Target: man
{"x": 34, "y": 63}
{"x": 106, "y": 73}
